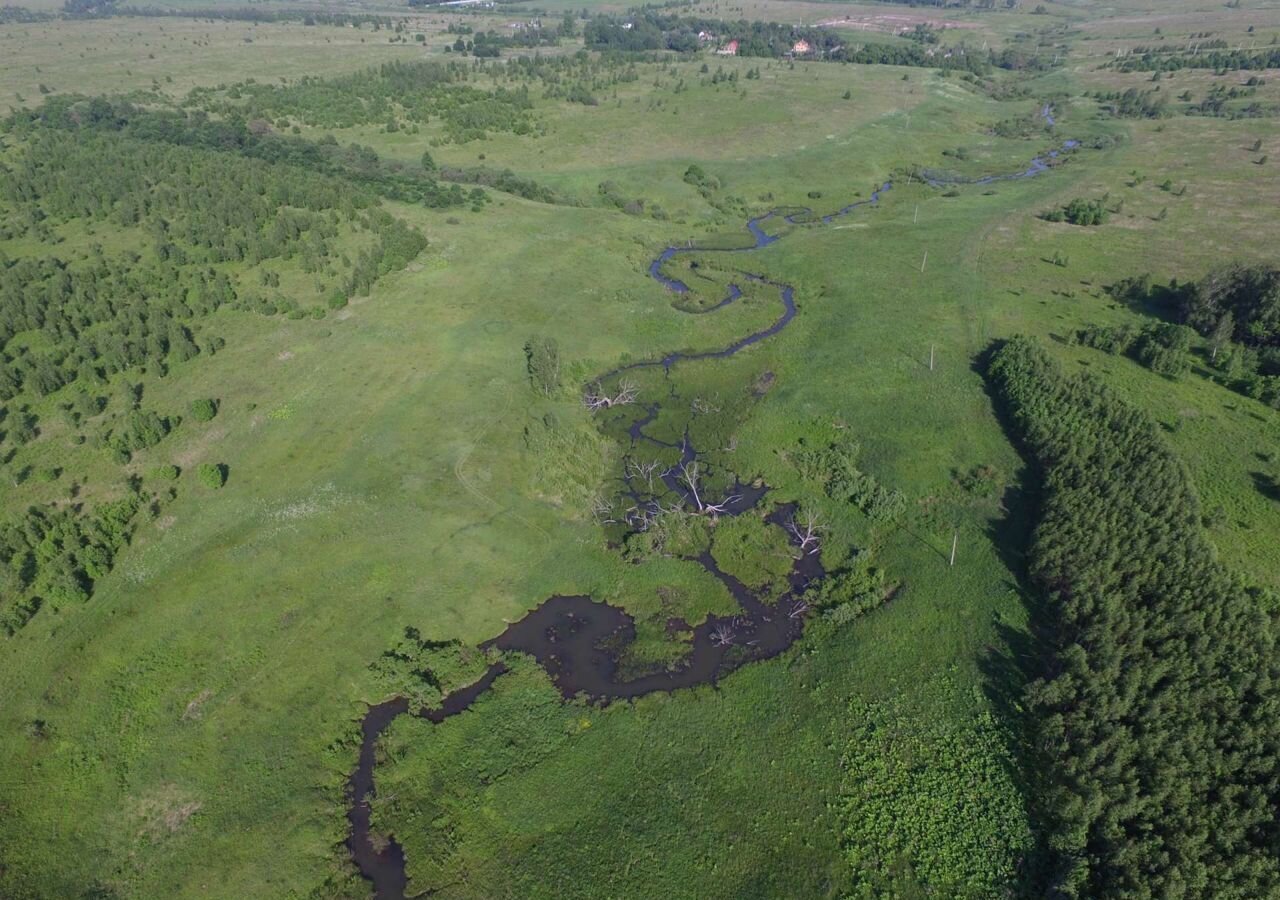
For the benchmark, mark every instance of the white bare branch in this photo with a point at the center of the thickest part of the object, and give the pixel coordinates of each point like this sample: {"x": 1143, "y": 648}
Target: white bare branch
{"x": 644, "y": 470}
{"x": 597, "y": 398}
{"x": 641, "y": 518}
{"x": 721, "y": 508}
{"x": 798, "y": 610}
{"x": 602, "y": 510}
{"x": 689, "y": 475}
{"x": 806, "y": 532}
{"x": 703, "y": 406}
{"x": 722, "y": 635}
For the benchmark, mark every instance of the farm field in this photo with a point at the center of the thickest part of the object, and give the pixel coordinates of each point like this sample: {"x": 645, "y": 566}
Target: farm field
{"x": 561, "y": 466}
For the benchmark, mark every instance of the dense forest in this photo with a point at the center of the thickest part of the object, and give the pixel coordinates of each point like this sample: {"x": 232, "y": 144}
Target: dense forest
{"x": 196, "y": 209}
{"x": 353, "y": 164}
{"x": 1231, "y": 316}
{"x": 399, "y": 92}
{"x": 405, "y": 96}
{"x": 210, "y": 213}
{"x": 1156, "y": 704}
{"x": 1249, "y": 295}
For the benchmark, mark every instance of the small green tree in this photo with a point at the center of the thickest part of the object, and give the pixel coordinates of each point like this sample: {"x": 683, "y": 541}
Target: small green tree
{"x": 204, "y": 409}
{"x": 542, "y": 359}
{"x": 212, "y": 475}
{"x": 1221, "y": 334}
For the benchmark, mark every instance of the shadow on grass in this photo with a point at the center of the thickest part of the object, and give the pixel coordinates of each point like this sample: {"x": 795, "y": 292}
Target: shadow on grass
{"x": 1267, "y": 485}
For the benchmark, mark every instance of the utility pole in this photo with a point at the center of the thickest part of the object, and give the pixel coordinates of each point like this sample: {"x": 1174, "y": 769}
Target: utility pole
{"x": 931, "y": 348}
{"x": 955, "y": 538}
{"x": 916, "y": 217}
{"x": 925, "y": 260}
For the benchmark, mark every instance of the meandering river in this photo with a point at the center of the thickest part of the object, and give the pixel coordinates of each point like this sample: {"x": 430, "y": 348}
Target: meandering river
{"x": 569, "y": 635}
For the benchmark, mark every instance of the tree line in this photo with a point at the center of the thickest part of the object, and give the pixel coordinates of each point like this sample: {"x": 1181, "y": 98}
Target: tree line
{"x": 1156, "y": 707}
{"x": 1234, "y": 309}
{"x": 652, "y": 30}
{"x": 1219, "y": 59}
{"x": 355, "y": 167}
{"x": 393, "y": 93}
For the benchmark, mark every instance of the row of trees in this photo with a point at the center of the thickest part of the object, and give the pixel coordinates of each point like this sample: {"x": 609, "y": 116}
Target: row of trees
{"x": 1164, "y": 348}
{"x": 415, "y": 92}
{"x": 1156, "y": 713}
{"x": 1219, "y": 59}
{"x": 1218, "y": 101}
{"x": 358, "y": 170}
{"x": 652, "y": 31}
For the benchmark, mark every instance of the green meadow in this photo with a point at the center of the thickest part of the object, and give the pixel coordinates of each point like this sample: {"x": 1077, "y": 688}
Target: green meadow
{"x": 187, "y": 731}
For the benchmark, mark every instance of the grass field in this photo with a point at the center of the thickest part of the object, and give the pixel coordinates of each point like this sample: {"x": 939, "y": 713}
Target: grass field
{"x": 188, "y": 731}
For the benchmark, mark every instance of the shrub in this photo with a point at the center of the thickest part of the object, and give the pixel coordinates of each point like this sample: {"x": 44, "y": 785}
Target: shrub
{"x": 1079, "y": 212}
{"x": 212, "y": 475}
{"x": 204, "y": 409}
{"x": 542, "y": 361}
{"x": 928, "y": 805}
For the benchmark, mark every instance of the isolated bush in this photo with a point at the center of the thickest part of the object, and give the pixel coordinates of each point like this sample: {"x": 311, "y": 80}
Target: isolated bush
{"x": 212, "y": 475}
{"x": 204, "y": 409}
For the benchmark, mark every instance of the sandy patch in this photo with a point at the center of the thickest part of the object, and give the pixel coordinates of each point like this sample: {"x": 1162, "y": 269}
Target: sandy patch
{"x": 196, "y": 450}
{"x": 892, "y": 22}
{"x": 195, "y": 707}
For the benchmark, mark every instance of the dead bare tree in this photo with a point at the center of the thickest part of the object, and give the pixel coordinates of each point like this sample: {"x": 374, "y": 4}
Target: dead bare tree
{"x": 703, "y": 406}
{"x": 641, "y": 518}
{"x": 798, "y": 610}
{"x": 646, "y": 471}
{"x": 602, "y": 510}
{"x": 806, "y": 532}
{"x": 689, "y": 475}
{"x": 597, "y": 398}
{"x": 722, "y": 635}
{"x": 721, "y": 508}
